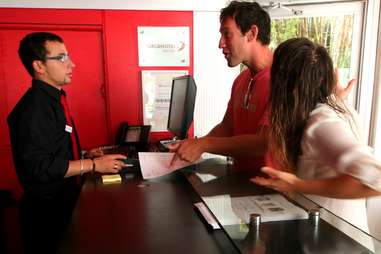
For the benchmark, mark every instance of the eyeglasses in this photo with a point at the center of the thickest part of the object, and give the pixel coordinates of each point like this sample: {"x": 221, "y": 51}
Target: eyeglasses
{"x": 62, "y": 58}
{"x": 246, "y": 99}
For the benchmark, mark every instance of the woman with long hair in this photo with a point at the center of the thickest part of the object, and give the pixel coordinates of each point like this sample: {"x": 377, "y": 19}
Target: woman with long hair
{"x": 315, "y": 137}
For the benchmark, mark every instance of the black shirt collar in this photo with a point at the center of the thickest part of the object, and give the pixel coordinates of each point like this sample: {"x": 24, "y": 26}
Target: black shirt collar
{"x": 50, "y": 90}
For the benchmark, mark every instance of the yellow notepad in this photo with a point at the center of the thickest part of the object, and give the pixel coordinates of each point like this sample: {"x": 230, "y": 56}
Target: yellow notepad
{"x": 106, "y": 179}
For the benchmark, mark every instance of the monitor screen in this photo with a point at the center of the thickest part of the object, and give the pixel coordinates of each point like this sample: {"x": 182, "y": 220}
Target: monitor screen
{"x": 181, "y": 107}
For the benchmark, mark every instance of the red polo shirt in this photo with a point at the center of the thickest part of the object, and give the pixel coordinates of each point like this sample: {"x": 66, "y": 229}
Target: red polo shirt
{"x": 248, "y": 108}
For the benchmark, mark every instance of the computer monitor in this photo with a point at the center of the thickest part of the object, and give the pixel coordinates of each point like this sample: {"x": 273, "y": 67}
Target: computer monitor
{"x": 181, "y": 107}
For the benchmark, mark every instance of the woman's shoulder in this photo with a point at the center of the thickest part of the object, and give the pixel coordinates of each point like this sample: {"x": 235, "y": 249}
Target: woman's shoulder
{"x": 325, "y": 115}
{"x": 322, "y": 112}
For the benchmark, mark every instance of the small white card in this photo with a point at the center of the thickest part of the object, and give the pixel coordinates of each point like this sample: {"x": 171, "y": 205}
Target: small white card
{"x": 206, "y": 177}
{"x": 68, "y": 128}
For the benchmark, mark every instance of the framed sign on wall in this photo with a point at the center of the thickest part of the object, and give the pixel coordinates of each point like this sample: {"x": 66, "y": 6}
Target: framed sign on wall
{"x": 156, "y": 92}
{"x": 163, "y": 46}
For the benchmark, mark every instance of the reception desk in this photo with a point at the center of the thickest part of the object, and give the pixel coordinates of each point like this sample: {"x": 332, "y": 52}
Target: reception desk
{"x": 138, "y": 216}
{"x": 158, "y": 216}
{"x": 321, "y": 232}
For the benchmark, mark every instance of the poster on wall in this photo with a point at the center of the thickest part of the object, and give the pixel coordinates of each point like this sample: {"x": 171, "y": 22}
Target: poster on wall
{"x": 163, "y": 46}
{"x": 156, "y": 93}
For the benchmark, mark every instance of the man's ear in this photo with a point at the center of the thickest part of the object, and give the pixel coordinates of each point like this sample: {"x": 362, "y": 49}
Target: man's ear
{"x": 38, "y": 66}
{"x": 252, "y": 34}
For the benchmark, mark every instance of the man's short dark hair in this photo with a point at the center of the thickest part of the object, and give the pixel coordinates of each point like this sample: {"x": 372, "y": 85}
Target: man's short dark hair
{"x": 32, "y": 47}
{"x": 247, "y": 14}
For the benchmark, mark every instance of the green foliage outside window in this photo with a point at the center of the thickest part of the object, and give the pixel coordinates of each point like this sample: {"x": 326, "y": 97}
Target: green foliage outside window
{"x": 334, "y": 33}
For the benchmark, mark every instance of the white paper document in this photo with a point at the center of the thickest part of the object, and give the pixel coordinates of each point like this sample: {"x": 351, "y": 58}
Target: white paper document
{"x": 158, "y": 164}
{"x": 221, "y": 207}
{"x": 274, "y": 207}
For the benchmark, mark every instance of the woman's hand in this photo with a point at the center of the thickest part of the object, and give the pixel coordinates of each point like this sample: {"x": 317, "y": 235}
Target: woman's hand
{"x": 279, "y": 180}
{"x": 342, "y": 91}
{"x": 110, "y": 163}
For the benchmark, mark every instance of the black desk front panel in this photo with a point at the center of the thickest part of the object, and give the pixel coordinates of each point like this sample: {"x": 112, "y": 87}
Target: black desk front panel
{"x": 131, "y": 217}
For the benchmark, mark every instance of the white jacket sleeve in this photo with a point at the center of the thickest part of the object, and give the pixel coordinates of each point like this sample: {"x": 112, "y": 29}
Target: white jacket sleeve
{"x": 336, "y": 144}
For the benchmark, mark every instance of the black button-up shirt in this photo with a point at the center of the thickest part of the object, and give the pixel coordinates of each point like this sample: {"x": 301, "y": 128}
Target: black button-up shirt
{"x": 41, "y": 147}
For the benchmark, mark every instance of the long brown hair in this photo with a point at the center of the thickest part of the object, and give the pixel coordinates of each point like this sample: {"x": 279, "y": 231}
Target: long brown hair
{"x": 302, "y": 75}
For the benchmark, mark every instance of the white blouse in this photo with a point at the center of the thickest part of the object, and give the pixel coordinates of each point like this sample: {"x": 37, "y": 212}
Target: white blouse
{"x": 332, "y": 145}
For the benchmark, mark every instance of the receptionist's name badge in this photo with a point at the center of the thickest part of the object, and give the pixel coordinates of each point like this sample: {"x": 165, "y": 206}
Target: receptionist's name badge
{"x": 68, "y": 128}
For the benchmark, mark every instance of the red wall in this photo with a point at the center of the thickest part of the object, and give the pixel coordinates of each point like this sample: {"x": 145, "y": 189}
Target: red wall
{"x": 122, "y": 80}
{"x": 123, "y": 72}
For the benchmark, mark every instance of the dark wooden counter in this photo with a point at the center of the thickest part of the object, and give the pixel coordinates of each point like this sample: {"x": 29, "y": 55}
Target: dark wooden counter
{"x": 138, "y": 216}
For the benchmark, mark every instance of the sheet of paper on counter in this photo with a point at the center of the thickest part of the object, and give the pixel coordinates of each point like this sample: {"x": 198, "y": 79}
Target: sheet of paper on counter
{"x": 158, "y": 164}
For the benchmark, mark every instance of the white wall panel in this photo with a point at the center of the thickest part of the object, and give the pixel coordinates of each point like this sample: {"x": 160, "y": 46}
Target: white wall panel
{"x": 213, "y": 77}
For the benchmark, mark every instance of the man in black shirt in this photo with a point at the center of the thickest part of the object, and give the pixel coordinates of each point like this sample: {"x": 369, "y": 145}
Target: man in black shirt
{"x": 45, "y": 144}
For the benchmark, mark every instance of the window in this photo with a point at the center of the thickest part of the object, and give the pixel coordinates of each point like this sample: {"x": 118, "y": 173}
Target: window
{"x": 334, "y": 26}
